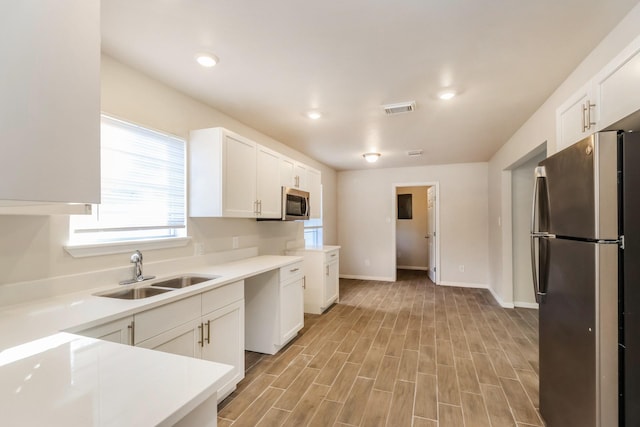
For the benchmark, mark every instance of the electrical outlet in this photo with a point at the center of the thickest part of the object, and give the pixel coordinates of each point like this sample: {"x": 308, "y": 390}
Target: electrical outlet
{"x": 235, "y": 242}
{"x": 461, "y": 268}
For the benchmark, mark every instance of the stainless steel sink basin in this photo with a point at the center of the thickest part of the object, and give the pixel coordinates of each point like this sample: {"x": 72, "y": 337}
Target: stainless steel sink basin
{"x": 135, "y": 293}
{"x": 183, "y": 281}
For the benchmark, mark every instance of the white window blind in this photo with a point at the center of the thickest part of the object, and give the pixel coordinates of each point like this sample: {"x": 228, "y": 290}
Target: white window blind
{"x": 143, "y": 187}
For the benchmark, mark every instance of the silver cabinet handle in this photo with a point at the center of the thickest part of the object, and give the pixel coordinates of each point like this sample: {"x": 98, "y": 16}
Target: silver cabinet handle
{"x": 132, "y": 335}
{"x": 304, "y": 282}
{"x": 333, "y": 255}
{"x": 586, "y": 116}
{"x": 293, "y": 270}
{"x": 201, "y": 342}
{"x": 327, "y": 267}
{"x": 208, "y": 331}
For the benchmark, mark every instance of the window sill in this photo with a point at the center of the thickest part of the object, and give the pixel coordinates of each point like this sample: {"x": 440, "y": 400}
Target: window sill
{"x": 97, "y": 249}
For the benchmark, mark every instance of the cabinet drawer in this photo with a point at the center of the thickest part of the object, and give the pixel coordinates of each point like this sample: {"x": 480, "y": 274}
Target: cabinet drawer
{"x": 155, "y": 321}
{"x": 331, "y": 256}
{"x": 291, "y": 271}
{"x": 224, "y": 295}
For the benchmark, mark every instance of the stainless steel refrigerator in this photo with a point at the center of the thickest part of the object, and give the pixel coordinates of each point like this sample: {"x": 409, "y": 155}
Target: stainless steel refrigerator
{"x": 586, "y": 264}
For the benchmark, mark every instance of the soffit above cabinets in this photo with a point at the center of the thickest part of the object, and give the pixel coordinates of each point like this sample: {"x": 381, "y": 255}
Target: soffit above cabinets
{"x": 280, "y": 59}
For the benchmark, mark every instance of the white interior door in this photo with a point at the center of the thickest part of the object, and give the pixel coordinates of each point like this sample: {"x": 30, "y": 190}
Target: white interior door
{"x": 431, "y": 231}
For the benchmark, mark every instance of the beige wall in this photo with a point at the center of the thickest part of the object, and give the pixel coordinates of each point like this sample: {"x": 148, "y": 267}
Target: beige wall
{"x": 31, "y": 247}
{"x": 411, "y": 246}
{"x": 366, "y": 201}
{"x": 538, "y": 129}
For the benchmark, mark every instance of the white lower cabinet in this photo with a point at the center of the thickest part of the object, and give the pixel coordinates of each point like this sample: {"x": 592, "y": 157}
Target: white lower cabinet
{"x": 322, "y": 267}
{"x": 224, "y": 342}
{"x": 119, "y": 331}
{"x": 291, "y": 311}
{"x": 274, "y": 308}
{"x": 208, "y": 326}
{"x": 182, "y": 340}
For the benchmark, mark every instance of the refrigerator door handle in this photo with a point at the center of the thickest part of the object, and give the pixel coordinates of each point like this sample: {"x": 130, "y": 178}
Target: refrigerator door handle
{"x": 540, "y": 174}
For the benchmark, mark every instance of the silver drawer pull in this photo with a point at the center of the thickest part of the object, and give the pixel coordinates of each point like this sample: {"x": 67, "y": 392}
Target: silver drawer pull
{"x": 332, "y": 255}
{"x": 293, "y": 270}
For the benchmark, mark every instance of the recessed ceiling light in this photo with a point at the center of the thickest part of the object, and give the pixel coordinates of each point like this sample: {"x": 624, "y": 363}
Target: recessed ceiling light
{"x": 314, "y": 115}
{"x": 207, "y": 60}
{"x": 447, "y": 94}
{"x": 371, "y": 157}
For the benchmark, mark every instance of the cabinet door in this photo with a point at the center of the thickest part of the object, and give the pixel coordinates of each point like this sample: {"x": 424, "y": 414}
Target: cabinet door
{"x": 184, "y": 340}
{"x": 50, "y": 104}
{"x": 331, "y": 283}
{"x": 287, "y": 172}
{"x": 268, "y": 183}
{"x": 300, "y": 176}
{"x": 572, "y": 118}
{"x": 291, "y": 309}
{"x": 118, "y": 331}
{"x": 314, "y": 185}
{"x": 224, "y": 343}
{"x": 239, "y": 181}
{"x": 614, "y": 84}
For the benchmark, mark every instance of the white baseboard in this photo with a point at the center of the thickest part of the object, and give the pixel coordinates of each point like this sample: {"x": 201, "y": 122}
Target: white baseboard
{"x": 358, "y": 277}
{"x": 464, "y": 285}
{"x": 410, "y": 267}
{"x": 499, "y": 300}
{"x": 520, "y": 304}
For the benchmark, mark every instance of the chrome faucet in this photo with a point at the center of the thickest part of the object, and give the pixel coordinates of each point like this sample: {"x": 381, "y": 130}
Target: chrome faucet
{"x": 136, "y": 259}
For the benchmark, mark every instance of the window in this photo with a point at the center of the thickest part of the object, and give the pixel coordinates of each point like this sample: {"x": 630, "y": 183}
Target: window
{"x": 313, "y": 228}
{"x": 313, "y": 232}
{"x": 143, "y": 187}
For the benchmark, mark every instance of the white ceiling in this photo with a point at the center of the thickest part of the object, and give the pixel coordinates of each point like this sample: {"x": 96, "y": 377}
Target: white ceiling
{"x": 280, "y": 58}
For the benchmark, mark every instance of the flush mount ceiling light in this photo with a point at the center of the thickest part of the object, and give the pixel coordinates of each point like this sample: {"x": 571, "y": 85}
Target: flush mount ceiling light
{"x": 401, "y": 107}
{"x": 371, "y": 157}
{"x": 207, "y": 60}
{"x": 314, "y": 114}
{"x": 446, "y": 95}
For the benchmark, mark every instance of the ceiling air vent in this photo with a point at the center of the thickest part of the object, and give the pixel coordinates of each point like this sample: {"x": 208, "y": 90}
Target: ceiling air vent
{"x": 414, "y": 153}
{"x": 402, "y": 107}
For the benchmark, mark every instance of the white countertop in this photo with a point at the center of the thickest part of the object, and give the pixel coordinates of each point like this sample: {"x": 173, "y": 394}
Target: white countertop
{"x": 67, "y": 380}
{"x": 52, "y": 378}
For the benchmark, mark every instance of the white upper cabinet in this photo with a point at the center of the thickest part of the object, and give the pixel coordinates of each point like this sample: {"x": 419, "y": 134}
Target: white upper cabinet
{"x": 287, "y": 172}
{"x": 232, "y": 176}
{"x": 300, "y": 176}
{"x": 222, "y": 173}
{"x": 50, "y": 104}
{"x": 269, "y": 194}
{"x": 575, "y": 118}
{"x": 610, "y": 96}
{"x": 314, "y": 186}
{"x": 617, "y": 86}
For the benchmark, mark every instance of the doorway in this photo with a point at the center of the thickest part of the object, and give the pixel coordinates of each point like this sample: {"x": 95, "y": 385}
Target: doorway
{"x": 416, "y": 228}
{"x": 521, "y": 177}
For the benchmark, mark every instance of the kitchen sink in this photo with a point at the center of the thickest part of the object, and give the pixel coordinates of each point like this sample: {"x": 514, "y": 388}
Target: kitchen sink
{"x": 135, "y": 293}
{"x": 183, "y": 281}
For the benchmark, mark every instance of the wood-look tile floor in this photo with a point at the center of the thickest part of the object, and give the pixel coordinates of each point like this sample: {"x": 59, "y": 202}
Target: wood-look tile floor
{"x": 398, "y": 354}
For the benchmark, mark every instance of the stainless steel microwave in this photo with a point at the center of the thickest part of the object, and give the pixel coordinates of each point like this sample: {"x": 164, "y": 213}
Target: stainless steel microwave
{"x": 295, "y": 204}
